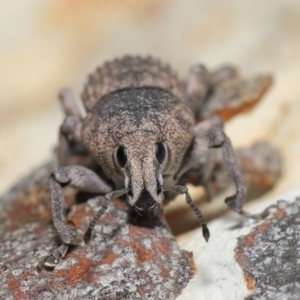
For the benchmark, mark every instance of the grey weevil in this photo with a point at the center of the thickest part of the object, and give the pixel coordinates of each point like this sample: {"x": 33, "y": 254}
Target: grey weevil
{"x": 141, "y": 129}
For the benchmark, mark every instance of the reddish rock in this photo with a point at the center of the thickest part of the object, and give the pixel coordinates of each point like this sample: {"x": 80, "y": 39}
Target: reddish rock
{"x": 270, "y": 254}
{"x": 128, "y": 257}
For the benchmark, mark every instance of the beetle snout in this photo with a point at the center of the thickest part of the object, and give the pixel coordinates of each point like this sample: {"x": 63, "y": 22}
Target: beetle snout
{"x": 145, "y": 202}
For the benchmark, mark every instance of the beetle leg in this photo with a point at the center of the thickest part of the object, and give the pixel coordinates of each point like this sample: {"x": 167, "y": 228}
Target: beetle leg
{"x": 197, "y": 87}
{"x": 78, "y": 177}
{"x": 218, "y": 139}
{"x": 208, "y": 169}
{"x": 72, "y": 123}
{"x": 201, "y": 83}
{"x": 236, "y": 201}
{"x": 52, "y": 259}
{"x": 209, "y": 134}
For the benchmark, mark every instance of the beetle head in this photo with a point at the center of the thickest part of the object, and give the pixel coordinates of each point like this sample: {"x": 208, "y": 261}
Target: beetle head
{"x": 141, "y": 159}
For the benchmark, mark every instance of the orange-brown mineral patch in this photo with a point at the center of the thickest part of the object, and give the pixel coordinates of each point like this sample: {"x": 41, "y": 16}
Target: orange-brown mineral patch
{"x": 14, "y": 286}
{"x": 279, "y": 214}
{"x": 78, "y": 271}
{"x": 108, "y": 258}
{"x": 250, "y": 281}
{"x": 142, "y": 253}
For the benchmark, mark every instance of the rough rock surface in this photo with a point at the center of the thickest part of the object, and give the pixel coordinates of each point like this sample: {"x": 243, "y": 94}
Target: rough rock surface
{"x": 267, "y": 252}
{"x": 270, "y": 254}
{"x": 128, "y": 257}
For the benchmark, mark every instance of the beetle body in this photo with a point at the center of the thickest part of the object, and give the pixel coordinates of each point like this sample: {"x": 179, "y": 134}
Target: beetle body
{"x": 139, "y": 120}
{"x": 141, "y": 129}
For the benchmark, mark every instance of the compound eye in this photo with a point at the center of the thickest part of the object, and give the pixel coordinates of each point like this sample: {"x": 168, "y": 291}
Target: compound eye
{"x": 160, "y": 152}
{"x": 122, "y": 156}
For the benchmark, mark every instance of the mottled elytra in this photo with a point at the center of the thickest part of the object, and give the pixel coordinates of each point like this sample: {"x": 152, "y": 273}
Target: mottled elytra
{"x": 140, "y": 128}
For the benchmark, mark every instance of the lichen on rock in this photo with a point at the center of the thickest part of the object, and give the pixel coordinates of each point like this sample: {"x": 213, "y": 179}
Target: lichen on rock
{"x": 128, "y": 257}
{"x": 270, "y": 254}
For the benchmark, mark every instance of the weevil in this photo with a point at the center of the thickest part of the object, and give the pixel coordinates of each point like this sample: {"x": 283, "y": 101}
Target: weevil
{"x": 142, "y": 129}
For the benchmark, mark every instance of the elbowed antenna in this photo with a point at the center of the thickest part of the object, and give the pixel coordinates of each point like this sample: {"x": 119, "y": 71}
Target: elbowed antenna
{"x": 108, "y": 197}
{"x": 183, "y": 190}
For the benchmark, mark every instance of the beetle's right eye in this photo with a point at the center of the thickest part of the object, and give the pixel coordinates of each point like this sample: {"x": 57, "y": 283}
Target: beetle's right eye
{"x": 122, "y": 156}
{"x": 160, "y": 152}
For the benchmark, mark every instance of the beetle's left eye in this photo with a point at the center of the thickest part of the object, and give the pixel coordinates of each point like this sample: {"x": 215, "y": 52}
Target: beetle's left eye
{"x": 160, "y": 152}
{"x": 122, "y": 156}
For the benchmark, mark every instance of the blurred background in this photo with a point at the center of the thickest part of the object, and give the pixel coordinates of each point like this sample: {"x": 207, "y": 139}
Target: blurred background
{"x": 46, "y": 45}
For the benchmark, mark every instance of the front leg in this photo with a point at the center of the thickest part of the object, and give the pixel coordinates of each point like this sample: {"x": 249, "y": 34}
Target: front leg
{"x": 82, "y": 179}
{"x": 209, "y": 134}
